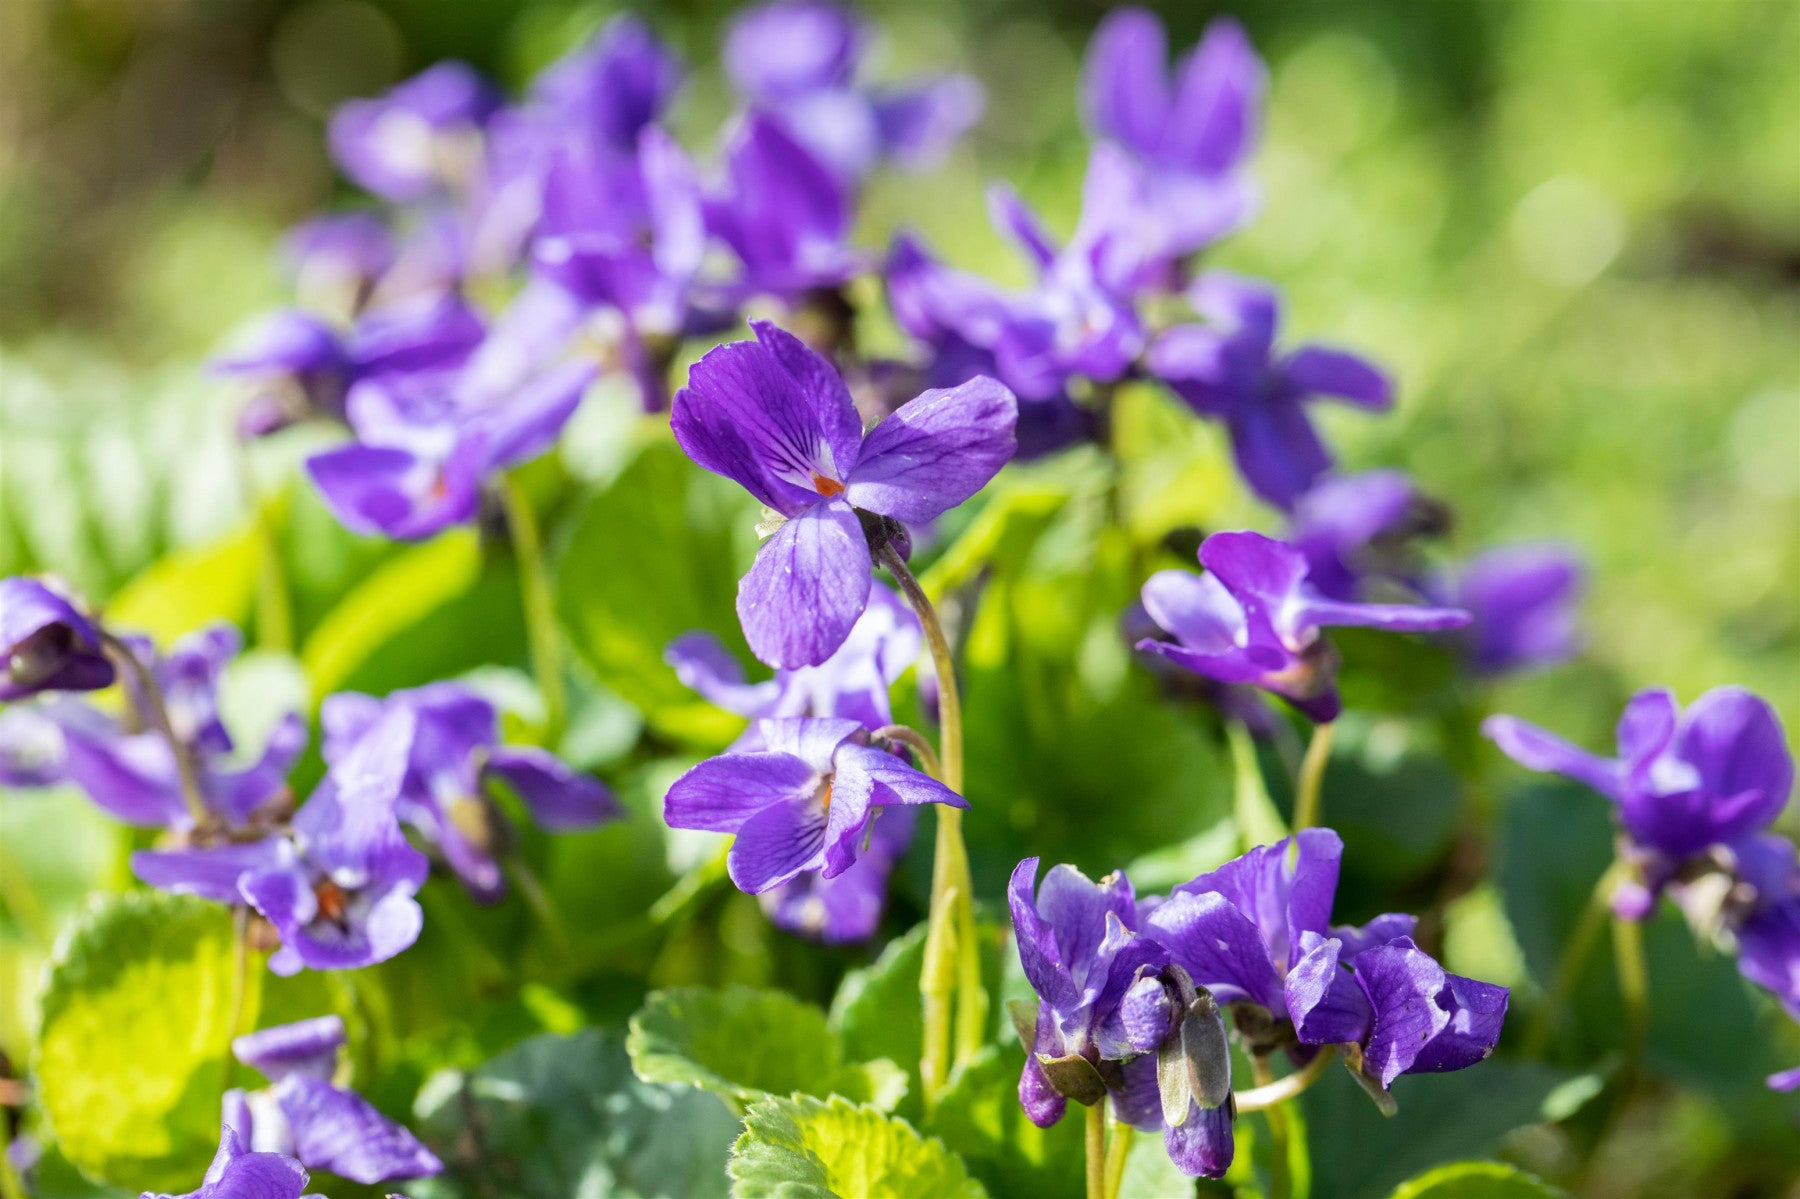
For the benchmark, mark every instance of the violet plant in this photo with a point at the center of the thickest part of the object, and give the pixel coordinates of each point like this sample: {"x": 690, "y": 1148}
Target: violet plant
{"x": 524, "y": 259}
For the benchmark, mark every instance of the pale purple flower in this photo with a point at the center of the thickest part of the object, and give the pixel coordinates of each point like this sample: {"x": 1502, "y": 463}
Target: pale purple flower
{"x": 336, "y": 259}
{"x": 1229, "y": 369}
{"x": 797, "y": 60}
{"x": 31, "y": 748}
{"x": 421, "y": 139}
{"x": 801, "y": 804}
{"x": 777, "y": 418}
{"x": 237, "y": 1173}
{"x": 46, "y": 643}
{"x": 339, "y": 887}
{"x": 301, "y": 1114}
{"x": 1715, "y": 774}
{"x": 455, "y": 758}
{"x": 1254, "y": 618}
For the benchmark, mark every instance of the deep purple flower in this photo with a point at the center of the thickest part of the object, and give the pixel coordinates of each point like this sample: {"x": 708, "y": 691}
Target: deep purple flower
{"x": 46, "y": 644}
{"x": 1761, "y": 917}
{"x": 456, "y": 756}
{"x": 1254, "y": 618}
{"x": 847, "y": 907}
{"x": 1229, "y": 369}
{"x": 797, "y": 60}
{"x": 339, "y": 889}
{"x": 1523, "y": 599}
{"x": 777, "y": 418}
{"x": 131, "y": 772}
{"x": 303, "y": 1115}
{"x": 421, "y": 139}
{"x": 1190, "y": 136}
{"x": 1683, "y": 781}
{"x": 803, "y": 803}
{"x": 782, "y": 213}
{"x": 853, "y": 683}
{"x": 615, "y": 85}
{"x": 427, "y": 441}
{"x": 237, "y": 1173}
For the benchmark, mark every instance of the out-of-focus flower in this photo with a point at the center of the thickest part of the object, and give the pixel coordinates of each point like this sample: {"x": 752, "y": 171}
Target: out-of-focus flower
{"x": 336, "y": 259}
{"x": 419, "y": 141}
{"x": 339, "y": 888}
{"x": 455, "y": 756}
{"x": 797, "y": 61}
{"x": 1523, "y": 600}
{"x": 1229, "y": 370}
{"x": 46, "y": 643}
{"x": 1253, "y": 618}
{"x": 1355, "y": 528}
{"x": 1683, "y": 781}
{"x": 782, "y": 213}
{"x": 777, "y": 418}
{"x": 237, "y": 1173}
{"x": 802, "y": 803}
{"x": 301, "y": 1114}
{"x": 1189, "y": 137}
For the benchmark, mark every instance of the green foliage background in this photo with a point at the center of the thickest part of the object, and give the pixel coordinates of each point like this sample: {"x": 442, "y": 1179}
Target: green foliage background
{"x": 1572, "y": 228}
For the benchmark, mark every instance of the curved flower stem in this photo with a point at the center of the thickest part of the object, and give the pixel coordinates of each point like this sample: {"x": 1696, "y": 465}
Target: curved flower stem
{"x": 155, "y": 714}
{"x": 952, "y": 918}
{"x": 1096, "y": 1151}
{"x": 545, "y": 641}
{"x": 531, "y": 889}
{"x": 1312, "y": 777}
{"x": 1634, "y": 985}
{"x": 1118, "y": 1150}
{"x": 1574, "y": 958}
{"x": 240, "y": 983}
{"x": 914, "y": 740}
{"x": 1281, "y": 1183}
{"x": 1270, "y": 1091}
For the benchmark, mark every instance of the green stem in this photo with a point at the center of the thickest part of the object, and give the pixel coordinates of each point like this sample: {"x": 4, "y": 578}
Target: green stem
{"x": 1281, "y": 1183}
{"x": 1274, "y": 1091}
{"x": 541, "y": 905}
{"x": 540, "y": 610}
{"x": 1312, "y": 777}
{"x": 240, "y": 983}
{"x": 274, "y": 614}
{"x": 1574, "y": 957}
{"x": 155, "y": 714}
{"x": 952, "y": 917}
{"x": 1634, "y": 985}
{"x": 1118, "y": 1151}
{"x": 1096, "y": 1151}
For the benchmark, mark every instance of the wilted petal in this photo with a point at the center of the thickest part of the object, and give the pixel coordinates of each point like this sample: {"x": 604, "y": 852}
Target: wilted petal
{"x": 807, "y": 587}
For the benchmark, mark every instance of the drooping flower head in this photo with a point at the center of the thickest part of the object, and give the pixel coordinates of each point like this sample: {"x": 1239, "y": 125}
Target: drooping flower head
{"x": 1715, "y": 774}
{"x": 803, "y": 803}
{"x": 797, "y": 61}
{"x": 338, "y": 887}
{"x": 303, "y": 1115}
{"x": 1254, "y": 618}
{"x": 46, "y": 643}
{"x": 238, "y": 1173}
{"x": 455, "y": 757}
{"x": 777, "y": 418}
{"x": 1228, "y": 369}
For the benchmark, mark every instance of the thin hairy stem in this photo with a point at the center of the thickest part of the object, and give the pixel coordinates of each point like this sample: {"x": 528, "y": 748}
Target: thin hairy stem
{"x": 155, "y": 714}
{"x": 545, "y": 640}
{"x": 1634, "y": 985}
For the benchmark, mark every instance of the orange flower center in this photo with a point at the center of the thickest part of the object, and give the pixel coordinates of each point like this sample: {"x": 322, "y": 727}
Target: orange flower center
{"x": 333, "y": 903}
{"x": 825, "y": 486}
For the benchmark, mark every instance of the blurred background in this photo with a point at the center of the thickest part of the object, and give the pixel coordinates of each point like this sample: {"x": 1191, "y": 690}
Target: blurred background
{"x": 1570, "y": 227}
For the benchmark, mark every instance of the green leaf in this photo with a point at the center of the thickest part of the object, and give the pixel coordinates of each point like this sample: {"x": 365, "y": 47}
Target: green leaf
{"x": 979, "y": 1118}
{"x": 561, "y": 1116}
{"x": 876, "y": 1010}
{"x": 805, "y": 1148}
{"x": 652, "y": 555}
{"x": 132, "y": 1043}
{"x": 744, "y": 1043}
{"x": 1010, "y": 523}
{"x": 182, "y": 591}
{"x": 1476, "y": 1180}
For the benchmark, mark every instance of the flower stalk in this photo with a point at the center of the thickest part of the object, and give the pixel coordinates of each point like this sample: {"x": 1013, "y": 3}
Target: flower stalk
{"x": 155, "y": 714}
{"x": 541, "y": 634}
{"x": 1118, "y": 1151}
{"x": 1310, "y": 788}
{"x": 1281, "y": 1183}
{"x": 1096, "y": 1150}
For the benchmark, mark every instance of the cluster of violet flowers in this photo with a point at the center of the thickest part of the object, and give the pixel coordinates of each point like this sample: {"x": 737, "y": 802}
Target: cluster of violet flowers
{"x": 521, "y": 249}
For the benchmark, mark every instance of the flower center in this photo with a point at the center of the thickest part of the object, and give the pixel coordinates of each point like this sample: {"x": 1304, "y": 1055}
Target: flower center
{"x": 826, "y": 486}
{"x": 333, "y": 903}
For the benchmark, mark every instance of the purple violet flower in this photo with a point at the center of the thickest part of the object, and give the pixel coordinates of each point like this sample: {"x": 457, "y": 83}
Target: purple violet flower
{"x": 31, "y": 748}
{"x": 420, "y": 140}
{"x": 237, "y": 1173}
{"x": 777, "y": 418}
{"x": 1523, "y": 600}
{"x": 1760, "y": 916}
{"x": 846, "y": 908}
{"x": 797, "y": 61}
{"x": 1253, "y": 618}
{"x": 1189, "y": 137}
{"x": 1683, "y": 781}
{"x": 615, "y": 85}
{"x": 1229, "y": 370}
{"x": 46, "y": 644}
{"x": 1352, "y": 528}
{"x": 455, "y": 757}
{"x": 782, "y": 213}
{"x": 336, "y": 259}
{"x": 803, "y": 803}
{"x": 301, "y": 1114}
{"x": 339, "y": 888}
